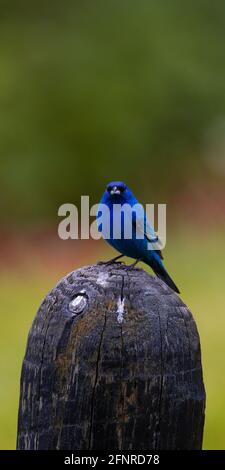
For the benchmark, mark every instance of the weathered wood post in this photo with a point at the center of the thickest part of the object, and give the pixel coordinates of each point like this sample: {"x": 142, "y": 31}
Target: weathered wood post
{"x": 112, "y": 362}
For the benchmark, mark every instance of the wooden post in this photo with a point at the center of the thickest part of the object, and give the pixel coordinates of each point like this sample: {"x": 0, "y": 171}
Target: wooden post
{"x": 112, "y": 362}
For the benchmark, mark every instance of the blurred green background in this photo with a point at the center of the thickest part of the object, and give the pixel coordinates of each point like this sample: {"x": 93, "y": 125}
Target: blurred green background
{"x": 95, "y": 91}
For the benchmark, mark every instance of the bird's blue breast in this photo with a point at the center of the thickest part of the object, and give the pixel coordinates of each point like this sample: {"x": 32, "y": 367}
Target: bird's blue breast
{"x": 119, "y": 224}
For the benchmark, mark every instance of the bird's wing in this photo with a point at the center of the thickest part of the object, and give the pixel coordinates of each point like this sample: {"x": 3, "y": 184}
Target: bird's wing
{"x": 144, "y": 228}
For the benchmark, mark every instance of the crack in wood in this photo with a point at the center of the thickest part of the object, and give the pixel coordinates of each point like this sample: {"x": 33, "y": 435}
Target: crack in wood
{"x": 95, "y": 382}
{"x": 157, "y": 440}
{"x": 121, "y": 368}
{"x": 51, "y": 313}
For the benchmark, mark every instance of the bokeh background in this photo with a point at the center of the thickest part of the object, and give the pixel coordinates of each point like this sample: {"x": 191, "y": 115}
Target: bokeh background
{"x": 95, "y": 91}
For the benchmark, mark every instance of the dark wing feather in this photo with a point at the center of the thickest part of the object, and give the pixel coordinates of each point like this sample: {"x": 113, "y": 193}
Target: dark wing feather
{"x": 148, "y": 233}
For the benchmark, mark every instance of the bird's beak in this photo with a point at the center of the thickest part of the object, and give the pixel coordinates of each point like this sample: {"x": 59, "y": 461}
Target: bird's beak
{"x": 114, "y": 190}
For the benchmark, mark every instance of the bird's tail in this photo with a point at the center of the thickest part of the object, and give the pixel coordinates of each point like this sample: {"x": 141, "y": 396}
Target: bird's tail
{"x": 161, "y": 272}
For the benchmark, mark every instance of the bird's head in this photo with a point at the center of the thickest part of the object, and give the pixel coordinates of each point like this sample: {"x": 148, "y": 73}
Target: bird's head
{"x": 118, "y": 193}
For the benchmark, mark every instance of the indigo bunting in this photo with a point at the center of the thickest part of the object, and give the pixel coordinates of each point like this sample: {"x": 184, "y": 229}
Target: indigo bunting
{"x": 136, "y": 242}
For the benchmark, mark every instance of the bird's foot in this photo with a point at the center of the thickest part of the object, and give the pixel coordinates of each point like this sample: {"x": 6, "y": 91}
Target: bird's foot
{"x": 132, "y": 266}
{"x": 108, "y": 263}
{"x": 112, "y": 261}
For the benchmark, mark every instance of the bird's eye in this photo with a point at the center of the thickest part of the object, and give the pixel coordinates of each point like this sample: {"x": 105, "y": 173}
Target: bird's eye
{"x": 121, "y": 188}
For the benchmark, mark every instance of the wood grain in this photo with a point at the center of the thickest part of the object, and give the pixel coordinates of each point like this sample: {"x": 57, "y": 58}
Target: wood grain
{"x": 112, "y": 362}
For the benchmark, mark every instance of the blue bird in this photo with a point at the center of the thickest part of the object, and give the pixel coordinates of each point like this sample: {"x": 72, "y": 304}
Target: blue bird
{"x": 117, "y": 194}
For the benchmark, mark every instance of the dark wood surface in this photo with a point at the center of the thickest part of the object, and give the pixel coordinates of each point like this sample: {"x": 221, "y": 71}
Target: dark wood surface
{"x": 112, "y": 362}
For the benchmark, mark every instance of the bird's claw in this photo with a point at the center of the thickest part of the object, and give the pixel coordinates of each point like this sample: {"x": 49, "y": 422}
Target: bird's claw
{"x": 108, "y": 263}
{"x": 116, "y": 262}
{"x": 112, "y": 261}
{"x": 133, "y": 265}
